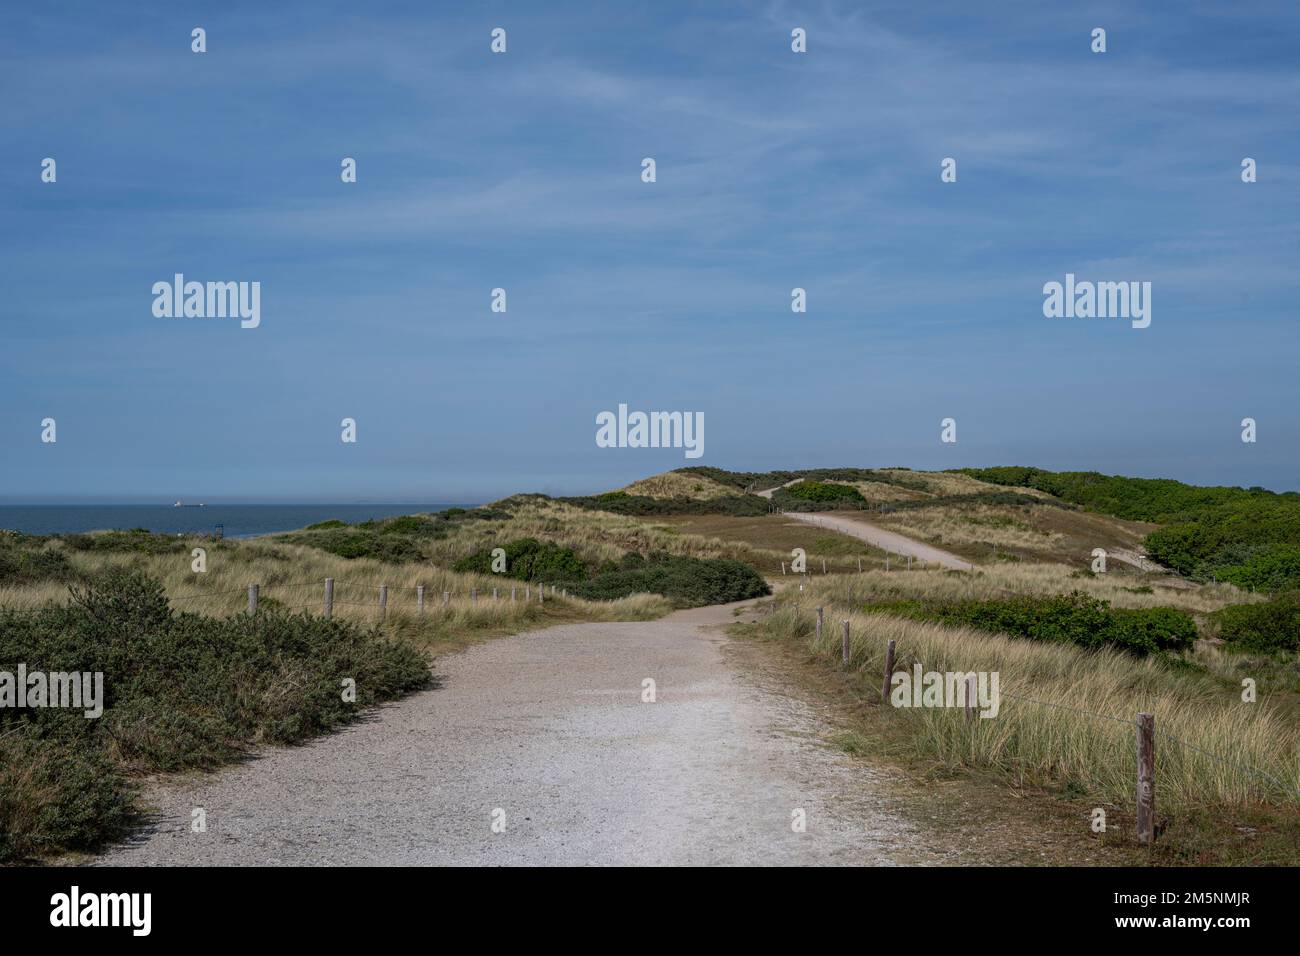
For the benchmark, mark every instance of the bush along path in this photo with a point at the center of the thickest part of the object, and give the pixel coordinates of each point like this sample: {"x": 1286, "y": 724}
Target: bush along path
{"x": 179, "y": 691}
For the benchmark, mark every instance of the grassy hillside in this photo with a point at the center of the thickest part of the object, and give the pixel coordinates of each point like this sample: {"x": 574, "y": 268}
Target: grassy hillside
{"x": 1228, "y": 771}
{"x": 130, "y": 604}
{"x": 677, "y": 484}
{"x": 980, "y": 521}
{"x": 1248, "y": 536}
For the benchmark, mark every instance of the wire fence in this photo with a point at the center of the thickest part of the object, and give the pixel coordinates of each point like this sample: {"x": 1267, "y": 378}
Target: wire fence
{"x": 1146, "y": 830}
{"x": 378, "y": 598}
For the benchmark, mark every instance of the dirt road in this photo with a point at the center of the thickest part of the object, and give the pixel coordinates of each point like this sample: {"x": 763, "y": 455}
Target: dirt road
{"x": 881, "y": 538}
{"x": 546, "y": 733}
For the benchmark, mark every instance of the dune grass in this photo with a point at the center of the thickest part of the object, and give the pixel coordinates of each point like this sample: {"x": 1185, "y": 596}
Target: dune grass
{"x": 292, "y": 577}
{"x": 1002, "y": 580}
{"x": 1067, "y": 714}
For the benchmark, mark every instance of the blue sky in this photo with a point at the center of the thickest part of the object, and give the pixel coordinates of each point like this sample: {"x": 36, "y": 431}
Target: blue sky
{"x": 522, "y": 171}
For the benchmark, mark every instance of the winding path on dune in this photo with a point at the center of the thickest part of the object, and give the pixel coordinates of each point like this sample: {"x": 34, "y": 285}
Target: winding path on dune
{"x": 882, "y": 538}
{"x": 548, "y": 731}
{"x": 875, "y": 536}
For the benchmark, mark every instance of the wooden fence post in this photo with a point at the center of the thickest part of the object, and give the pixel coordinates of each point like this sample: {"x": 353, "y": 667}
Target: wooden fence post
{"x": 252, "y": 599}
{"x": 886, "y": 560}
{"x": 329, "y": 598}
{"x": 859, "y": 565}
{"x": 909, "y": 562}
{"x": 446, "y": 596}
{"x": 419, "y": 599}
{"x": 512, "y": 595}
{"x": 528, "y": 592}
{"x": 541, "y": 594}
{"x": 889, "y": 673}
{"x": 970, "y": 698}
{"x": 383, "y": 601}
{"x": 494, "y": 594}
{"x": 1146, "y": 774}
{"x": 845, "y": 650}
{"x": 782, "y": 569}
{"x": 823, "y": 565}
{"x": 819, "y": 623}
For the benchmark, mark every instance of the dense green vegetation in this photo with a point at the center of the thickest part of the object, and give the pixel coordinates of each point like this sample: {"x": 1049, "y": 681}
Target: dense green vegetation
{"x": 529, "y": 560}
{"x": 763, "y": 480}
{"x": 822, "y": 492}
{"x": 180, "y": 691}
{"x": 1073, "y": 618}
{"x": 135, "y": 541}
{"x": 24, "y": 560}
{"x": 1266, "y": 627}
{"x": 686, "y": 581}
{"x": 620, "y": 502}
{"x": 1247, "y": 536}
{"x": 390, "y": 539}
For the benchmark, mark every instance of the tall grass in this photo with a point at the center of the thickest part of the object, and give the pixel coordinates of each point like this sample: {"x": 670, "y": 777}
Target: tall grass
{"x": 293, "y": 577}
{"x": 993, "y": 581}
{"x": 1067, "y": 715}
{"x": 596, "y": 536}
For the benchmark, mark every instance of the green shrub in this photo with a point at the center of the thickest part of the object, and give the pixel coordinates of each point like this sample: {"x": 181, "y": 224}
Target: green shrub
{"x": 359, "y": 542}
{"x": 25, "y": 561}
{"x": 687, "y": 582}
{"x": 620, "y": 502}
{"x": 1267, "y": 627}
{"x": 1073, "y": 618}
{"x": 528, "y": 559}
{"x": 821, "y": 491}
{"x": 180, "y": 691}
{"x": 1248, "y": 536}
{"x": 136, "y": 541}
{"x": 419, "y": 525}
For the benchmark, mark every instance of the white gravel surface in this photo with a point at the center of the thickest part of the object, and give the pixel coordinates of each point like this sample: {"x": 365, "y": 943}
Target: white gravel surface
{"x": 549, "y": 728}
{"x": 882, "y": 538}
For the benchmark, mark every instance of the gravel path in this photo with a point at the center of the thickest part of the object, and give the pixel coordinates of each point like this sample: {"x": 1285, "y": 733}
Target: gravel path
{"x": 549, "y": 729}
{"x": 882, "y": 538}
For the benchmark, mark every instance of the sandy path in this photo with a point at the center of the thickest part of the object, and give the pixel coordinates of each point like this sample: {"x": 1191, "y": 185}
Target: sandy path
{"x": 549, "y": 727}
{"x": 881, "y": 538}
